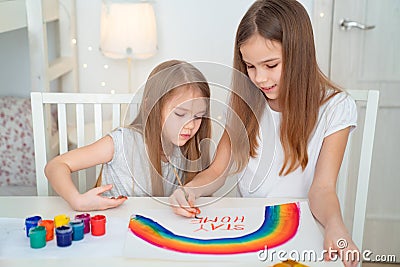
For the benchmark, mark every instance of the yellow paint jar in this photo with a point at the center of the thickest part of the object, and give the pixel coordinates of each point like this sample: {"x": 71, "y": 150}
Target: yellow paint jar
{"x": 61, "y": 220}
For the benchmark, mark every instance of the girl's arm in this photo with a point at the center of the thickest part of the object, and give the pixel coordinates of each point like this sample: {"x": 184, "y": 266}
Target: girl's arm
{"x": 58, "y": 172}
{"x": 323, "y": 199}
{"x": 206, "y": 182}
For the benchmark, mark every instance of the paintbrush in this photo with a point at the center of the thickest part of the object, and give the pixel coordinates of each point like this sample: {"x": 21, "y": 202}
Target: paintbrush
{"x": 185, "y": 192}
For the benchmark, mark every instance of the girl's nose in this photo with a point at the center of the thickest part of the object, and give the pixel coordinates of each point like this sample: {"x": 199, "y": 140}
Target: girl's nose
{"x": 189, "y": 124}
{"x": 260, "y": 76}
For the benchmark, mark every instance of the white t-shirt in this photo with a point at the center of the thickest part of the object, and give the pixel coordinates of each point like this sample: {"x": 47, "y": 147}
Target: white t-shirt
{"x": 129, "y": 171}
{"x": 261, "y": 176}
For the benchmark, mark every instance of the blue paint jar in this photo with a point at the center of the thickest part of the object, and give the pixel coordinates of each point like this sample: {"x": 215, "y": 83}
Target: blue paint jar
{"x": 64, "y": 236}
{"x": 31, "y": 222}
{"x": 77, "y": 229}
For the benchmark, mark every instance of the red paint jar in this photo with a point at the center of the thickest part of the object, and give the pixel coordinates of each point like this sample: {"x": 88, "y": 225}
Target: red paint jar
{"x": 98, "y": 225}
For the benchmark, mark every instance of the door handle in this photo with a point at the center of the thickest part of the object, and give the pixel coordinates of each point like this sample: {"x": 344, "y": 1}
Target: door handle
{"x": 346, "y": 24}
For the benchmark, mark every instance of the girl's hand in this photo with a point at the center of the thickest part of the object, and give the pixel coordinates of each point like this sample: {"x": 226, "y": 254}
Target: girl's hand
{"x": 183, "y": 204}
{"x": 93, "y": 200}
{"x": 339, "y": 245}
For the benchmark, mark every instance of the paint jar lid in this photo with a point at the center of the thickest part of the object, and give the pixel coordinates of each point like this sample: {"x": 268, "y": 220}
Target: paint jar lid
{"x": 99, "y": 218}
{"x": 76, "y": 223}
{"x": 33, "y": 219}
{"x": 65, "y": 229}
{"x": 84, "y": 216}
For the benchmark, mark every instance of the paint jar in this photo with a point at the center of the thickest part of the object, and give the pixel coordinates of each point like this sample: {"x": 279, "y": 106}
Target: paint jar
{"x": 77, "y": 229}
{"x": 85, "y": 217}
{"x": 49, "y": 225}
{"x": 98, "y": 224}
{"x": 61, "y": 220}
{"x": 31, "y": 222}
{"x": 37, "y": 236}
{"x": 64, "y": 236}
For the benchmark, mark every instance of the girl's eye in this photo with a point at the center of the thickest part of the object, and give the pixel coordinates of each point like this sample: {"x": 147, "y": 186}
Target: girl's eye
{"x": 249, "y": 66}
{"x": 179, "y": 114}
{"x": 199, "y": 116}
{"x": 272, "y": 66}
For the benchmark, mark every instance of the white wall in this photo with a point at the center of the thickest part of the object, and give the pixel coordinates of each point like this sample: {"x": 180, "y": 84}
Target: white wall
{"x": 187, "y": 30}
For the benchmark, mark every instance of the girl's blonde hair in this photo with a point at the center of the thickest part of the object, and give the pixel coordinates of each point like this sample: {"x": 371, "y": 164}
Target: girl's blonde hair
{"x": 302, "y": 87}
{"x": 160, "y": 87}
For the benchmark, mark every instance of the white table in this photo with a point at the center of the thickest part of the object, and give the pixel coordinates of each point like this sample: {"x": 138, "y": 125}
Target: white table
{"x": 48, "y": 207}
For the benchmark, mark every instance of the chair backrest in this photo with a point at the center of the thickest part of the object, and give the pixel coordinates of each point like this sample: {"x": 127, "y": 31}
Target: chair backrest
{"x": 353, "y": 182}
{"x": 63, "y": 121}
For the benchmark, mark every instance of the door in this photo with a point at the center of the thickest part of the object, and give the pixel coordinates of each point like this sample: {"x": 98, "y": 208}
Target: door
{"x": 363, "y": 57}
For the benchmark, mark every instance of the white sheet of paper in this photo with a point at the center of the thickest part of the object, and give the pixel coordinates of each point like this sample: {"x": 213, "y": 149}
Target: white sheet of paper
{"x": 308, "y": 236}
{"x": 119, "y": 241}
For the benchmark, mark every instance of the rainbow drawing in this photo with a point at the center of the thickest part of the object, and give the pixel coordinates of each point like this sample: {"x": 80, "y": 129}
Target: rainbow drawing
{"x": 280, "y": 224}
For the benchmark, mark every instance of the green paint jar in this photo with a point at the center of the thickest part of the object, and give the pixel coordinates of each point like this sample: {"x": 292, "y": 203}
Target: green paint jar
{"x": 37, "y": 236}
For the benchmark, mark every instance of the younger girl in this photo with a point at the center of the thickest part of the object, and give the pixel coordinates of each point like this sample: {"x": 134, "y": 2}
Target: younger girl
{"x": 310, "y": 117}
{"x": 142, "y": 158}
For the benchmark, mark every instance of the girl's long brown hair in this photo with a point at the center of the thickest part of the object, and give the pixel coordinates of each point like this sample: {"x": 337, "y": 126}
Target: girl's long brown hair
{"x": 160, "y": 86}
{"x": 302, "y": 87}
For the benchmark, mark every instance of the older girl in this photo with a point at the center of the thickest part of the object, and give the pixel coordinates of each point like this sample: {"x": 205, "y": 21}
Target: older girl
{"x": 288, "y": 98}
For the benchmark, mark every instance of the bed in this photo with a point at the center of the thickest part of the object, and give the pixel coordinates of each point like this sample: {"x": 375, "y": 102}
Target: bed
{"x": 50, "y": 55}
{"x": 12, "y": 15}
{"x": 17, "y": 172}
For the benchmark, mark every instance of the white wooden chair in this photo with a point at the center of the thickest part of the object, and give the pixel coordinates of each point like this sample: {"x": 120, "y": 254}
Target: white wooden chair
{"x": 353, "y": 182}
{"x": 72, "y": 130}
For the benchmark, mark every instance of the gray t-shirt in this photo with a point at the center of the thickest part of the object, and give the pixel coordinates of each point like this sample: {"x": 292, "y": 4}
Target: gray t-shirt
{"x": 129, "y": 171}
